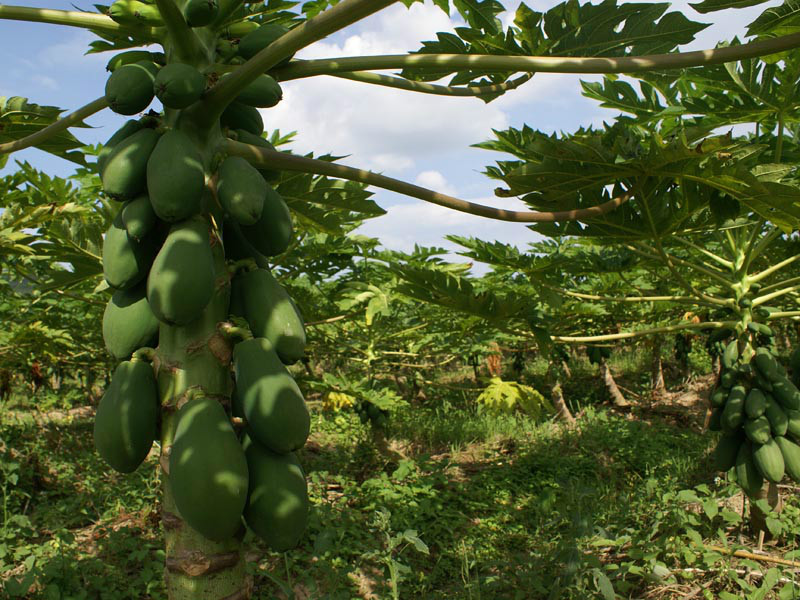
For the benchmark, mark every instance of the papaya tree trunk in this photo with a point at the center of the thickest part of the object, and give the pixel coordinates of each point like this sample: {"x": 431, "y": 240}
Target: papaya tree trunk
{"x": 657, "y": 371}
{"x": 189, "y": 360}
{"x": 758, "y": 519}
{"x": 557, "y": 396}
{"x": 611, "y": 385}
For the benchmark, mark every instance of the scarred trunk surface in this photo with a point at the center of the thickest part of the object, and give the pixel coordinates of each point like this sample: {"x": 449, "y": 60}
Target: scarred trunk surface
{"x": 608, "y": 379}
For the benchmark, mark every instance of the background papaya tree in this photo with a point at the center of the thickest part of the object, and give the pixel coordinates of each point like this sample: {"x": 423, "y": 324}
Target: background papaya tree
{"x": 192, "y": 360}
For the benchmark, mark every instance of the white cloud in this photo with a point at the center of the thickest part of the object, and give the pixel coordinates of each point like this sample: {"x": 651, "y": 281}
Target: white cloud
{"x": 436, "y": 181}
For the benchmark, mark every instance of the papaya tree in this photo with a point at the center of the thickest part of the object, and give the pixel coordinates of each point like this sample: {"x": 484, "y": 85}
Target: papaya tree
{"x": 196, "y": 310}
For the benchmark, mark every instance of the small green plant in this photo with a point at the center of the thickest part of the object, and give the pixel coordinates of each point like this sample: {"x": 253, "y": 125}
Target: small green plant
{"x": 505, "y": 396}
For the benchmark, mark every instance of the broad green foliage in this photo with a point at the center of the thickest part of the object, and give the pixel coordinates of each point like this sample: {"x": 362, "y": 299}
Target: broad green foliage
{"x": 505, "y": 396}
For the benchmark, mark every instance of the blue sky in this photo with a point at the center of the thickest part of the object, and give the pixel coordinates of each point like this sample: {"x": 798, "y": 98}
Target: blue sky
{"x": 415, "y": 137}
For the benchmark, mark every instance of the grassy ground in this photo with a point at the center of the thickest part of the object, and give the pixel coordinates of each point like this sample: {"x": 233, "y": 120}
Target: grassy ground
{"x": 467, "y": 506}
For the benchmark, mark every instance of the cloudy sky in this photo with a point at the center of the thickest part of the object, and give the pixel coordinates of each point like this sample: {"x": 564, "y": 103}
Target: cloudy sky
{"x": 415, "y": 137}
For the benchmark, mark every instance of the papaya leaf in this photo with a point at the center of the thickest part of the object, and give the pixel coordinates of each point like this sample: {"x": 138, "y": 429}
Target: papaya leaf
{"x": 707, "y": 6}
{"x": 777, "y": 20}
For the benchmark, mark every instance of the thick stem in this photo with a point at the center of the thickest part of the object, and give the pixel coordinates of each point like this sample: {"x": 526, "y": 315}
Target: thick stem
{"x": 84, "y": 20}
{"x": 542, "y": 64}
{"x": 611, "y": 385}
{"x": 657, "y": 370}
{"x": 758, "y": 519}
{"x": 432, "y": 88}
{"x": 192, "y": 359}
{"x": 181, "y": 36}
{"x": 567, "y": 339}
{"x": 288, "y": 162}
{"x": 48, "y": 132}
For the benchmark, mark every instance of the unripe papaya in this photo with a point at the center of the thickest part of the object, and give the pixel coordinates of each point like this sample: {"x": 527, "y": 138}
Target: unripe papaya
{"x": 127, "y": 416}
{"x": 718, "y": 397}
{"x": 791, "y": 457}
{"x": 128, "y": 129}
{"x": 134, "y": 12}
{"x": 270, "y": 313}
{"x": 256, "y": 41}
{"x": 731, "y": 354}
{"x": 208, "y": 470}
{"x": 178, "y": 85}
{"x": 199, "y": 13}
{"x": 240, "y": 29}
{"x": 755, "y": 404}
{"x": 128, "y": 323}
{"x": 175, "y": 177}
{"x": 758, "y": 430}
{"x": 786, "y": 393}
{"x": 132, "y": 56}
{"x": 129, "y": 89}
{"x": 181, "y": 280}
{"x": 241, "y": 190}
{"x": 726, "y": 450}
{"x": 256, "y": 140}
{"x": 778, "y": 421}
{"x": 272, "y": 233}
{"x": 748, "y": 476}
{"x": 238, "y": 248}
{"x": 263, "y": 92}
{"x": 793, "y": 426}
{"x": 240, "y": 116}
{"x": 766, "y": 363}
{"x": 124, "y": 173}
{"x": 769, "y": 460}
{"x": 138, "y": 217}
{"x": 733, "y": 412}
{"x": 125, "y": 261}
{"x": 277, "y": 501}
{"x": 272, "y": 403}
{"x": 728, "y": 378}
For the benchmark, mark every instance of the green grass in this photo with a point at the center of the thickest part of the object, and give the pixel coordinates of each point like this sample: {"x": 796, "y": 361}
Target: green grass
{"x": 469, "y": 506}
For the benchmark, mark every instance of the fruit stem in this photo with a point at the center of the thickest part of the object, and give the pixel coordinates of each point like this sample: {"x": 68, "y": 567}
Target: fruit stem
{"x": 144, "y": 355}
{"x": 231, "y": 331}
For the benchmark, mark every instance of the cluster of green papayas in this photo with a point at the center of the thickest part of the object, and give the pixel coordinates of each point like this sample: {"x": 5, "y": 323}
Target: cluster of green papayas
{"x": 757, "y": 408}
{"x": 178, "y": 200}
{"x": 369, "y": 412}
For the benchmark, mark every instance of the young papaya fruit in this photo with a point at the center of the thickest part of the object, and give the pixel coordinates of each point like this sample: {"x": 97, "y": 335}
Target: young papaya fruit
{"x": 175, "y": 177}
{"x": 208, "y": 470}
{"x": 132, "y": 56}
{"x": 128, "y": 129}
{"x": 241, "y": 116}
{"x": 181, "y": 281}
{"x": 758, "y": 430}
{"x": 277, "y": 498}
{"x": 139, "y": 218}
{"x": 246, "y": 137}
{"x": 270, "y": 313}
{"x": 748, "y": 476}
{"x": 273, "y": 405}
{"x": 199, "y": 13}
{"x": 134, "y": 12}
{"x": 255, "y": 41}
{"x": 124, "y": 173}
{"x": 263, "y": 92}
{"x": 755, "y": 404}
{"x": 128, "y": 323}
{"x": 769, "y": 460}
{"x": 125, "y": 261}
{"x": 127, "y": 417}
{"x": 791, "y": 457}
{"x": 178, "y": 85}
{"x": 778, "y": 420}
{"x": 273, "y": 232}
{"x": 726, "y": 450}
{"x": 129, "y": 89}
{"x": 240, "y": 29}
{"x": 241, "y": 190}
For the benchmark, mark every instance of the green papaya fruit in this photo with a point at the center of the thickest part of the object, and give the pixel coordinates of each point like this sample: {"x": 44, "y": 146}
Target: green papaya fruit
{"x": 128, "y": 129}
{"x": 731, "y": 355}
{"x": 769, "y": 460}
{"x": 748, "y": 476}
{"x": 129, "y": 89}
{"x": 240, "y": 116}
{"x": 128, "y": 323}
{"x": 727, "y": 379}
{"x": 778, "y": 421}
{"x": 726, "y": 450}
{"x": 255, "y": 41}
{"x": 175, "y": 177}
{"x": 793, "y": 426}
{"x": 239, "y": 29}
{"x": 785, "y": 392}
{"x": 246, "y": 137}
{"x": 758, "y": 430}
{"x": 277, "y": 500}
{"x": 733, "y": 412}
{"x": 762, "y": 382}
{"x": 241, "y": 190}
{"x": 755, "y": 404}
{"x": 270, "y": 313}
{"x": 745, "y": 302}
{"x": 715, "y": 422}
{"x": 125, "y": 261}
{"x": 181, "y": 280}
{"x": 238, "y": 248}
{"x": 262, "y": 92}
{"x": 139, "y": 218}
{"x": 765, "y": 363}
{"x": 718, "y": 397}
{"x": 199, "y": 13}
{"x": 132, "y": 56}
{"x": 134, "y": 12}
{"x": 127, "y": 417}
{"x": 208, "y": 470}
{"x": 273, "y": 405}
{"x": 273, "y": 232}
{"x": 178, "y": 85}
{"x": 124, "y": 173}
{"x": 760, "y": 329}
{"x": 791, "y": 457}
